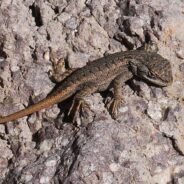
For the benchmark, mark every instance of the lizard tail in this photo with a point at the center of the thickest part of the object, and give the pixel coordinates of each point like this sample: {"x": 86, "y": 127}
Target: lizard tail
{"x": 45, "y": 103}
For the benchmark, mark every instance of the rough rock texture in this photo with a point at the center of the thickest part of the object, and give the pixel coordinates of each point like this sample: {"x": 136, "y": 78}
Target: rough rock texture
{"x": 145, "y": 145}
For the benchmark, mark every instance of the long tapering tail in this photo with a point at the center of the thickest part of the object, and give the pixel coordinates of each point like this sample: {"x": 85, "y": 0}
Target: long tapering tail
{"x": 45, "y": 103}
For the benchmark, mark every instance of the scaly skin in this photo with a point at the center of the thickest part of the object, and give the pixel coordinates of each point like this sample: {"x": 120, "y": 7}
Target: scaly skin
{"x": 110, "y": 71}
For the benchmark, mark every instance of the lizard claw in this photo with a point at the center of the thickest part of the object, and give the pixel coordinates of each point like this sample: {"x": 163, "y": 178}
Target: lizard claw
{"x": 113, "y": 106}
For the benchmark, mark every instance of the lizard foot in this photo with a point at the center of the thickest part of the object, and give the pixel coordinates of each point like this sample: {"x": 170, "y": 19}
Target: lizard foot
{"x": 79, "y": 110}
{"x": 113, "y": 106}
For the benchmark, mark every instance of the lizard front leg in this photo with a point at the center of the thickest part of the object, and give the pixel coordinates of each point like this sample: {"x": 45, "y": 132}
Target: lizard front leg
{"x": 117, "y": 100}
{"x": 80, "y": 108}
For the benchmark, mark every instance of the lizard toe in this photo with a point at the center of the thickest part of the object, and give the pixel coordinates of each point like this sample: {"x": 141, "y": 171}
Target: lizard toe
{"x": 114, "y": 105}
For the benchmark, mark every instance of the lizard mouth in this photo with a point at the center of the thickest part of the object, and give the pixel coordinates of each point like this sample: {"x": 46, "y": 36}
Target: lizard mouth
{"x": 155, "y": 81}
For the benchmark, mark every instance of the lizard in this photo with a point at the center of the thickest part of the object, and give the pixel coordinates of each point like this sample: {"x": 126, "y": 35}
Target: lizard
{"x": 111, "y": 71}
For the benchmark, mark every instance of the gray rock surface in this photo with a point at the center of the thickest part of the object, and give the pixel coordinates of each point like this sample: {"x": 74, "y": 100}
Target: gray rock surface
{"x": 145, "y": 145}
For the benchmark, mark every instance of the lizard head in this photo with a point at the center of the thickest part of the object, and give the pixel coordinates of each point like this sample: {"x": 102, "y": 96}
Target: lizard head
{"x": 155, "y": 69}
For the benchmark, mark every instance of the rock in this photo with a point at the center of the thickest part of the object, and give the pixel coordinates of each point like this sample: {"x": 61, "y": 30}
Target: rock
{"x": 143, "y": 145}
{"x": 71, "y": 23}
{"x": 77, "y": 60}
{"x": 36, "y": 78}
{"x": 106, "y": 14}
{"x": 180, "y": 54}
{"x": 89, "y": 36}
{"x": 154, "y": 111}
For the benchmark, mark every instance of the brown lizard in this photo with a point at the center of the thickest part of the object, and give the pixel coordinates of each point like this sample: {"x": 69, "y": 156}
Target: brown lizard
{"x": 110, "y": 71}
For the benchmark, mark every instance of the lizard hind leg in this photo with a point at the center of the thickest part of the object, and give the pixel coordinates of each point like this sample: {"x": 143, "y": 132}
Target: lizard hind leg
{"x": 80, "y": 109}
{"x": 58, "y": 77}
{"x": 57, "y": 73}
